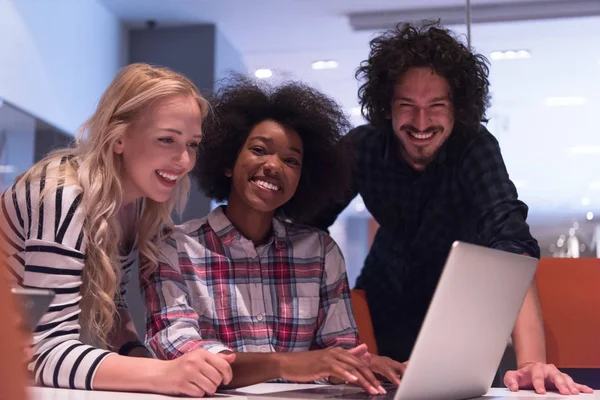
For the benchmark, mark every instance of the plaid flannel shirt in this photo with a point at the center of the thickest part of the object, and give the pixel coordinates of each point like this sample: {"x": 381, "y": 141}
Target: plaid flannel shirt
{"x": 214, "y": 289}
{"x": 464, "y": 194}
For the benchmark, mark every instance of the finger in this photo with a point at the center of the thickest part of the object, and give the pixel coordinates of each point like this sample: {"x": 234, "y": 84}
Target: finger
{"x": 192, "y": 390}
{"x": 204, "y": 383}
{"x": 334, "y": 380}
{"x": 211, "y": 373}
{"x": 390, "y": 373}
{"x": 363, "y": 370}
{"x": 398, "y": 367}
{"x": 338, "y": 373}
{"x": 511, "y": 381}
{"x": 584, "y": 388}
{"x": 537, "y": 379}
{"x": 341, "y": 370}
{"x": 359, "y": 350}
{"x": 222, "y": 365}
{"x": 571, "y": 384}
{"x": 558, "y": 378}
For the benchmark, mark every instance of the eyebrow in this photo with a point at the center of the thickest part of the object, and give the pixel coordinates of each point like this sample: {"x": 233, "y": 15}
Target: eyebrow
{"x": 199, "y": 136}
{"x": 269, "y": 140}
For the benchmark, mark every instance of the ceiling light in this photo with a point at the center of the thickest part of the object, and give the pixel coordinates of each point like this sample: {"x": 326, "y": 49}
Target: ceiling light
{"x": 584, "y": 150}
{"x": 566, "y": 101}
{"x": 585, "y": 201}
{"x": 589, "y": 216}
{"x": 582, "y": 247}
{"x": 575, "y": 225}
{"x": 7, "y": 169}
{"x": 330, "y": 64}
{"x": 510, "y": 55}
{"x": 263, "y": 73}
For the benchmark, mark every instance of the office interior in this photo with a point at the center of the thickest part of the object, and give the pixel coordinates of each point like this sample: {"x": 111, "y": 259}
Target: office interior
{"x": 58, "y": 56}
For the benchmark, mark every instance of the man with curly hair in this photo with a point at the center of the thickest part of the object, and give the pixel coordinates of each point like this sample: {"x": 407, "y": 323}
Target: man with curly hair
{"x": 249, "y": 278}
{"x": 430, "y": 174}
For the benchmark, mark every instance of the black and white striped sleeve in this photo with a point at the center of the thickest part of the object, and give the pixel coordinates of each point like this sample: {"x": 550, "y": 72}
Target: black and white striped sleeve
{"x": 52, "y": 256}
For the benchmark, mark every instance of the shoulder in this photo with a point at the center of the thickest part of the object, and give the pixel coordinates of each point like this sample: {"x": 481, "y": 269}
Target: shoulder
{"x": 186, "y": 238}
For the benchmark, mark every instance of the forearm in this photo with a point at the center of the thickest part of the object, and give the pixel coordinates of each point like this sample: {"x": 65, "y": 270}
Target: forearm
{"x": 125, "y": 332}
{"x": 528, "y": 333}
{"x": 252, "y": 368}
{"x": 129, "y": 374}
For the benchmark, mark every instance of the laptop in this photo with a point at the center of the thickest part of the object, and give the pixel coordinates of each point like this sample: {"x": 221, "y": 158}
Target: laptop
{"x": 33, "y": 304}
{"x": 465, "y": 331}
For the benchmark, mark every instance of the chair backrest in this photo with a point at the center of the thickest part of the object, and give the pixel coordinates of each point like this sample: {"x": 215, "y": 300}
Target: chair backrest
{"x": 569, "y": 291}
{"x": 363, "y": 319}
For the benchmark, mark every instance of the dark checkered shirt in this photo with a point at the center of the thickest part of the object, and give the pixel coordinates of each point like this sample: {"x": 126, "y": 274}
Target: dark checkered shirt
{"x": 465, "y": 194}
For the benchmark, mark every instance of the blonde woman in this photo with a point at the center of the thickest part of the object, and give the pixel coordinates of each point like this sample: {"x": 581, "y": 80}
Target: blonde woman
{"x": 77, "y": 221}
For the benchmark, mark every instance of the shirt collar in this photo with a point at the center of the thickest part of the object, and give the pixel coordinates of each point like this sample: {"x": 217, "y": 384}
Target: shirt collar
{"x": 227, "y": 232}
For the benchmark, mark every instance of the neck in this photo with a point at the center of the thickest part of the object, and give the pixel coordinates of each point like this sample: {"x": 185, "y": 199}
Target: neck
{"x": 254, "y": 225}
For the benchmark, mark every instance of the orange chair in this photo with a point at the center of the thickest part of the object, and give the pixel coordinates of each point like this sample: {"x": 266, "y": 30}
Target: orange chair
{"x": 569, "y": 291}
{"x": 363, "y": 319}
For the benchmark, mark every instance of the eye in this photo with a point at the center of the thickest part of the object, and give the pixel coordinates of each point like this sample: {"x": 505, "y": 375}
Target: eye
{"x": 258, "y": 150}
{"x": 292, "y": 161}
{"x": 439, "y": 105}
{"x": 166, "y": 140}
{"x": 194, "y": 145}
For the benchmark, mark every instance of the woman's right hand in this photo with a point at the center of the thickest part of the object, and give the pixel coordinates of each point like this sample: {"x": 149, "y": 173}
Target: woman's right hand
{"x": 197, "y": 373}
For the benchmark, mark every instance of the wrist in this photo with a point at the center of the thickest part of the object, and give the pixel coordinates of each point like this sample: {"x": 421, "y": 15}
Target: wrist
{"x": 279, "y": 363}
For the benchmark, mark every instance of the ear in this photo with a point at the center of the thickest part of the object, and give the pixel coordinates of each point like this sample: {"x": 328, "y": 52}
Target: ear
{"x": 118, "y": 146}
{"x": 228, "y": 173}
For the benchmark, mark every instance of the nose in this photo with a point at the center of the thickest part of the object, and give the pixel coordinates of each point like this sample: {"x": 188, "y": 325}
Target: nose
{"x": 421, "y": 118}
{"x": 184, "y": 159}
{"x": 273, "y": 165}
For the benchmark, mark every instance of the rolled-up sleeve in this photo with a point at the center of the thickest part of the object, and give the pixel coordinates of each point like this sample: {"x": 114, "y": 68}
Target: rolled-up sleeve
{"x": 335, "y": 321}
{"x": 172, "y": 323}
{"x": 501, "y": 216}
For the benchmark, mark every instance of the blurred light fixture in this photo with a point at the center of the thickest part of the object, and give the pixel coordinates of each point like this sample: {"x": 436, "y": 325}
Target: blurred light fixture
{"x": 325, "y": 64}
{"x": 552, "y": 248}
{"x": 7, "y": 169}
{"x": 584, "y": 150}
{"x": 582, "y": 247}
{"x": 575, "y": 225}
{"x": 560, "y": 242}
{"x": 510, "y": 55}
{"x": 263, "y": 73}
{"x": 585, "y": 201}
{"x": 565, "y": 101}
{"x": 589, "y": 216}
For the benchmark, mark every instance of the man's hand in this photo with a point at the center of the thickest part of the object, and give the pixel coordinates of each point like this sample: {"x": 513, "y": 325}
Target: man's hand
{"x": 540, "y": 377}
{"x": 333, "y": 362}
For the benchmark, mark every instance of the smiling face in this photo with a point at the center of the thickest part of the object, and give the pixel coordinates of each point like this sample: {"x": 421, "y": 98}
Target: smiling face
{"x": 160, "y": 148}
{"x": 422, "y": 115}
{"x": 267, "y": 170}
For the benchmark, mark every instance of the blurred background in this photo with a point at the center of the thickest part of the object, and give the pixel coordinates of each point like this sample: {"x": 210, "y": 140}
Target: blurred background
{"x": 57, "y": 57}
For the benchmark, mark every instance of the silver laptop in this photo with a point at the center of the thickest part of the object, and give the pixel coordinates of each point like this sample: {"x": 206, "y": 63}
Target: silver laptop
{"x": 465, "y": 332}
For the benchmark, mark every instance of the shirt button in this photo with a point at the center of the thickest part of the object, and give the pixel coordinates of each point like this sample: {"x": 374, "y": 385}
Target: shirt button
{"x": 259, "y": 317}
{"x": 264, "y": 349}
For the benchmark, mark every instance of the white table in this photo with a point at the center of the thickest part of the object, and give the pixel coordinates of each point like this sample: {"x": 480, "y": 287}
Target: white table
{"x": 252, "y": 393}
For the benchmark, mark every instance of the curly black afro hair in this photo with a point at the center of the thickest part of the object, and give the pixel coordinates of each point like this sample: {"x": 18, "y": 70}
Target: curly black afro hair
{"x": 240, "y": 105}
{"x": 427, "y": 45}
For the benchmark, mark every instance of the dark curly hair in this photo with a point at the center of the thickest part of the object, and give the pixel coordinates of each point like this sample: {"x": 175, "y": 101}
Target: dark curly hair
{"x": 240, "y": 105}
{"x": 427, "y": 45}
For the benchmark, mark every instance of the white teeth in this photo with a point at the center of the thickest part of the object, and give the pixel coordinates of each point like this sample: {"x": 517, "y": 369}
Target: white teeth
{"x": 267, "y": 185}
{"x": 421, "y": 136}
{"x": 168, "y": 177}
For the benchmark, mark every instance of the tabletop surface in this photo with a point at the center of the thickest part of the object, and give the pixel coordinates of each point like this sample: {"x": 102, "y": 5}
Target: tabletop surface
{"x": 254, "y": 393}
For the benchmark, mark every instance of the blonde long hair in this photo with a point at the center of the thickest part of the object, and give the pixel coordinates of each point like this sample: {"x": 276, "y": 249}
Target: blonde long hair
{"x": 96, "y": 169}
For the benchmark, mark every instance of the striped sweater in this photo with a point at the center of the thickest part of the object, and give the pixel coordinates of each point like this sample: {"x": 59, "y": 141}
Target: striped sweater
{"x": 45, "y": 245}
